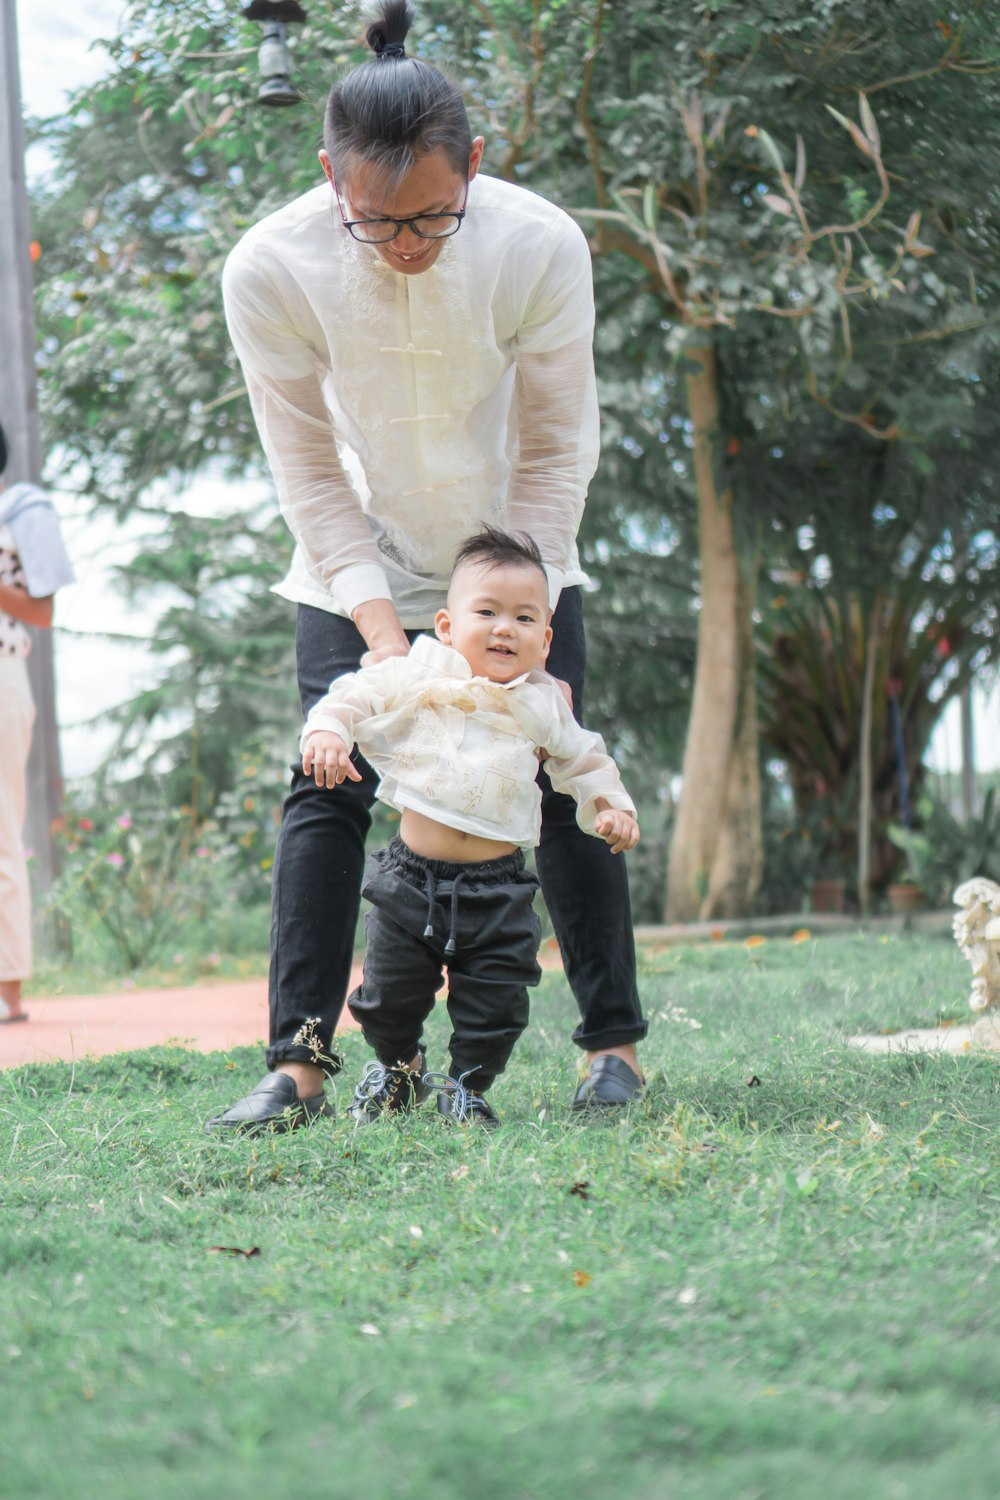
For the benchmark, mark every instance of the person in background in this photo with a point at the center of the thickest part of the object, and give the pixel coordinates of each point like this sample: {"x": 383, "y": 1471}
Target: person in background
{"x": 33, "y": 565}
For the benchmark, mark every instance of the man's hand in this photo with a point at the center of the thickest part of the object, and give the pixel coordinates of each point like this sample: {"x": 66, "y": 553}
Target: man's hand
{"x": 384, "y": 636}
{"x": 540, "y": 673}
{"x": 566, "y": 691}
{"x": 382, "y": 653}
{"x": 328, "y": 760}
{"x": 617, "y": 828}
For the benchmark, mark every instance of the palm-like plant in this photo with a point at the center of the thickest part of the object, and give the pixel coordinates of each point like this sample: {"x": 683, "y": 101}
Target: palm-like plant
{"x": 924, "y": 622}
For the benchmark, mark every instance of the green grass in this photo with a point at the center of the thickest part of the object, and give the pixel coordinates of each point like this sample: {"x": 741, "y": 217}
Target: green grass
{"x": 54, "y": 975}
{"x": 792, "y": 1286}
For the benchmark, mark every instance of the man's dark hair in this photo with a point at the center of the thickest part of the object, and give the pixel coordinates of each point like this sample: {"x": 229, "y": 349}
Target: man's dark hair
{"x": 492, "y": 548}
{"x": 3, "y": 451}
{"x": 394, "y": 109}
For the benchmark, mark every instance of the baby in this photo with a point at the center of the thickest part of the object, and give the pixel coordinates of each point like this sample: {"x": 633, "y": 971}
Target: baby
{"x": 456, "y": 731}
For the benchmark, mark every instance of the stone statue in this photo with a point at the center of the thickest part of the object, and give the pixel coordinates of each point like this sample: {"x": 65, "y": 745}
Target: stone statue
{"x": 977, "y": 933}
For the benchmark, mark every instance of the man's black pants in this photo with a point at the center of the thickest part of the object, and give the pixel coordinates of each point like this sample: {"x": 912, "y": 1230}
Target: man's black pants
{"x": 320, "y": 858}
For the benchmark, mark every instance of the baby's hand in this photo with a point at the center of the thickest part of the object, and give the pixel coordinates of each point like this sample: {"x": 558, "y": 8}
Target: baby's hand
{"x": 617, "y": 828}
{"x": 327, "y": 758}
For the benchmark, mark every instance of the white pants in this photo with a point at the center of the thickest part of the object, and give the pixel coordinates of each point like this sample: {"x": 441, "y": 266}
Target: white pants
{"x": 17, "y": 716}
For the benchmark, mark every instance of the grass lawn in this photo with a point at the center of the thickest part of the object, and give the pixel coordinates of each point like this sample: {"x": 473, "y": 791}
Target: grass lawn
{"x": 61, "y": 976}
{"x": 739, "y": 1291}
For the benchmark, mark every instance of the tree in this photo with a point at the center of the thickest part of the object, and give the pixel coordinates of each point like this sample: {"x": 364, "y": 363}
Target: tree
{"x": 226, "y": 653}
{"x": 888, "y": 611}
{"x": 166, "y": 162}
{"x": 758, "y": 268}
{"x": 920, "y": 641}
{"x": 760, "y": 212}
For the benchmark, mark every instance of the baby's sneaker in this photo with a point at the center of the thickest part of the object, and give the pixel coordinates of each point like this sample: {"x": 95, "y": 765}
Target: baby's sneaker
{"x": 388, "y": 1090}
{"x": 459, "y": 1104}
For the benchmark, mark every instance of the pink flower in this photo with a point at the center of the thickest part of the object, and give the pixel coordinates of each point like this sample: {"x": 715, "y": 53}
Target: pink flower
{"x": 213, "y": 959}
{"x": 86, "y": 824}
{"x": 117, "y": 860}
{"x": 201, "y": 852}
{"x": 124, "y": 821}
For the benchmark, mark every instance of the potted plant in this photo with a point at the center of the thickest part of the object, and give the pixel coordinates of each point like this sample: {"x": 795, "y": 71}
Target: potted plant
{"x": 910, "y": 894}
{"x": 825, "y": 873}
{"x": 943, "y": 852}
{"x": 828, "y": 896}
{"x": 906, "y": 896}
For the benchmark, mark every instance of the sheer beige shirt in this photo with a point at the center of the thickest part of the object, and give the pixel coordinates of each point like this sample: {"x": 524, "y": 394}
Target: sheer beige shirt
{"x": 398, "y": 412}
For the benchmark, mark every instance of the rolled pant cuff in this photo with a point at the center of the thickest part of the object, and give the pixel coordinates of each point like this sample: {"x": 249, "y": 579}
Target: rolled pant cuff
{"x": 295, "y": 1052}
{"x": 391, "y": 1054}
{"x": 622, "y": 1036}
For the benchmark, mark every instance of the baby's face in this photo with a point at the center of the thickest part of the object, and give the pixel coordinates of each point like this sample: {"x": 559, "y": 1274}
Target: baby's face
{"x": 498, "y": 619}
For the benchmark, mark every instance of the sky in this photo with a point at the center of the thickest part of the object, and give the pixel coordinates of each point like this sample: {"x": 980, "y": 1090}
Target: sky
{"x": 57, "y": 55}
{"x": 55, "y": 39}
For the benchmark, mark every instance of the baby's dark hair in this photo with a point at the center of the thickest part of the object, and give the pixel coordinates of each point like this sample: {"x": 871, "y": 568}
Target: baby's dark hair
{"x": 492, "y": 548}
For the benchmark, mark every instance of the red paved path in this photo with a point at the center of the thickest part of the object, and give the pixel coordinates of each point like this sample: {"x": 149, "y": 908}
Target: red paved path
{"x": 209, "y": 1018}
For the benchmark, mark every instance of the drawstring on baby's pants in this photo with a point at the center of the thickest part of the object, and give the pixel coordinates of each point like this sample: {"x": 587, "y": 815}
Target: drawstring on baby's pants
{"x": 430, "y": 884}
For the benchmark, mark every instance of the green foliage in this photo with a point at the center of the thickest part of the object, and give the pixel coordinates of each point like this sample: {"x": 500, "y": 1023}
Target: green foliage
{"x": 780, "y": 181}
{"x": 932, "y": 633}
{"x": 942, "y": 853}
{"x": 134, "y": 885}
{"x": 163, "y": 164}
{"x": 138, "y": 884}
{"x": 800, "y": 845}
{"x": 720, "y": 144}
{"x": 224, "y": 689}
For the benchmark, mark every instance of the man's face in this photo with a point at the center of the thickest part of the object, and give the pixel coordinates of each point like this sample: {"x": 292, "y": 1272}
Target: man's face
{"x": 431, "y": 186}
{"x": 498, "y": 619}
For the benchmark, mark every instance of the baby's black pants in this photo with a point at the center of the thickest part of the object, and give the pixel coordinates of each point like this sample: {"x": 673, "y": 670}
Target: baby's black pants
{"x": 477, "y": 921}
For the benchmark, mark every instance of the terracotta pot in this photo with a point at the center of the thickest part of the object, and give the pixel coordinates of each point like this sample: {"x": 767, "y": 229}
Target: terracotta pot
{"x": 828, "y": 896}
{"x": 906, "y": 898}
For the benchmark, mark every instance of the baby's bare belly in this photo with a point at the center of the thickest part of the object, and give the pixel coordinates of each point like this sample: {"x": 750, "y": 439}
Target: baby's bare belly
{"x": 437, "y": 841}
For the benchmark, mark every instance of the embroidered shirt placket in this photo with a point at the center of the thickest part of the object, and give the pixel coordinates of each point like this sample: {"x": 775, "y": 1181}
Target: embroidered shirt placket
{"x": 414, "y": 416}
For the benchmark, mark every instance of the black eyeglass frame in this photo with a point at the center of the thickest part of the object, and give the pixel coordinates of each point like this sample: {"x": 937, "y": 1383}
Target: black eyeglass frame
{"x": 409, "y": 223}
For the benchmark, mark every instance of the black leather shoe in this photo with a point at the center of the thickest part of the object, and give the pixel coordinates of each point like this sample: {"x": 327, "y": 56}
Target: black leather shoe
{"x": 385, "y": 1090}
{"x": 273, "y": 1105}
{"x": 610, "y": 1083}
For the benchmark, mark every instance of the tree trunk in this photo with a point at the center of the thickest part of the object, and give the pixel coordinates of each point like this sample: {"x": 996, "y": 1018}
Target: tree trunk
{"x": 716, "y": 853}
{"x": 738, "y": 864}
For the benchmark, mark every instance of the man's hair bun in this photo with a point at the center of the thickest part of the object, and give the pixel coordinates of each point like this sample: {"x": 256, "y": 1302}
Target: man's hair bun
{"x": 390, "y": 22}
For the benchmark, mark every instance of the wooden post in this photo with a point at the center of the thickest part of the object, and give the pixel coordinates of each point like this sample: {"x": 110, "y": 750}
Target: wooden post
{"x": 19, "y": 415}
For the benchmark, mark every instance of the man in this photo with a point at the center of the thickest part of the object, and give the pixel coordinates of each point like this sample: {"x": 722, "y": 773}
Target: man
{"x": 416, "y": 340}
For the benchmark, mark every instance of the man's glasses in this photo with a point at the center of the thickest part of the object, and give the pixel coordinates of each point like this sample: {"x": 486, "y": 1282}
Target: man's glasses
{"x": 424, "y": 226}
